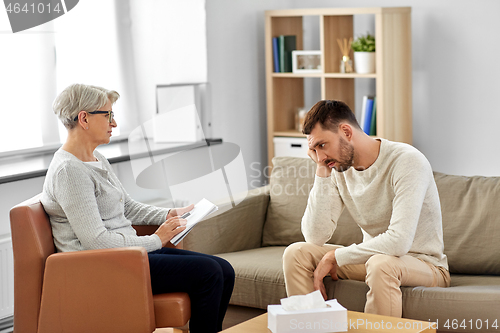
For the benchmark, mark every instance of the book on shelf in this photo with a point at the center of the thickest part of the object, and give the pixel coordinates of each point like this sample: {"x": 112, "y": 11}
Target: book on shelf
{"x": 276, "y": 57}
{"x": 373, "y": 126}
{"x": 201, "y": 210}
{"x": 363, "y": 113}
{"x": 286, "y": 44}
{"x": 368, "y": 114}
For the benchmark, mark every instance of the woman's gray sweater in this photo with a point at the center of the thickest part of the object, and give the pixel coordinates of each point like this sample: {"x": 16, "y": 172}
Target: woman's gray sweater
{"x": 90, "y": 209}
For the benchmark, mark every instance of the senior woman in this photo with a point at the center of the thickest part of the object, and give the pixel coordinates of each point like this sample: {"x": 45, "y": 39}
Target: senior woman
{"x": 89, "y": 209}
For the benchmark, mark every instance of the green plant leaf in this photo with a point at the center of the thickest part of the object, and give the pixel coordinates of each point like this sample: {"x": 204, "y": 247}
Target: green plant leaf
{"x": 364, "y": 43}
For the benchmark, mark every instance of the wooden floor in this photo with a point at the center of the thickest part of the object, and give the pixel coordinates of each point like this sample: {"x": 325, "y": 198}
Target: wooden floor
{"x": 235, "y": 315}
{"x": 238, "y": 314}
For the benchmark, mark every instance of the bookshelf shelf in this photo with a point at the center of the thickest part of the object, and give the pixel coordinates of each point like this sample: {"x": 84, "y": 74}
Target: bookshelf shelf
{"x": 350, "y": 75}
{"x": 297, "y": 75}
{"x": 294, "y": 134}
{"x": 326, "y": 75}
{"x": 393, "y": 82}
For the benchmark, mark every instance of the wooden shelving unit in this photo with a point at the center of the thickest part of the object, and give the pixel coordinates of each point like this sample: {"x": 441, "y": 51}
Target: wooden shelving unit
{"x": 285, "y": 91}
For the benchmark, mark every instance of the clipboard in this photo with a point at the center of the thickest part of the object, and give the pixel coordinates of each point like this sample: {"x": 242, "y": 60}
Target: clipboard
{"x": 201, "y": 210}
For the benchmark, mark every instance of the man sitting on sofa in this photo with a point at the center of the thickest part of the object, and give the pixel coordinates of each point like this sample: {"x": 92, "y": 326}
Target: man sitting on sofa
{"x": 389, "y": 189}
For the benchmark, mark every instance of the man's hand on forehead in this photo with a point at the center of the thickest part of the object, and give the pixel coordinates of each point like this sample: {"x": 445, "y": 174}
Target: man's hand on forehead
{"x": 311, "y": 143}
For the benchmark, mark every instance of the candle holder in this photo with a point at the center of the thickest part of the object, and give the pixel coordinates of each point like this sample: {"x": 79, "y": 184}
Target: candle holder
{"x": 300, "y": 115}
{"x": 346, "y": 65}
{"x": 346, "y": 62}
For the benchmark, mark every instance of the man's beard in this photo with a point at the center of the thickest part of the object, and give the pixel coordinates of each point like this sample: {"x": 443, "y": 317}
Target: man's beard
{"x": 346, "y": 156}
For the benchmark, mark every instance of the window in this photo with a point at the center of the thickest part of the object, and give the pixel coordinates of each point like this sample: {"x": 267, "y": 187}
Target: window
{"x": 128, "y": 46}
{"x": 27, "y": 85}
{"x": 37, "y": 64}
{"x": 88, "y": 51}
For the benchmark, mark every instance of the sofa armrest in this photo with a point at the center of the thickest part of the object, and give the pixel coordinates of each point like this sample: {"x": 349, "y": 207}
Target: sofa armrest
{"x": 233, "y": 228}
{"x": 84, "y": 290}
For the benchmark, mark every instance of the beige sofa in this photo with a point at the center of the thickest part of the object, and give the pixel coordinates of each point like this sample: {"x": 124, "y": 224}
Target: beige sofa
{"x": 253, "y": 235}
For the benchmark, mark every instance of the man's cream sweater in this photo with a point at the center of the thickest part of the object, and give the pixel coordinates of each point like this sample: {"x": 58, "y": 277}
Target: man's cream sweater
{"x": 89, "y": 208}
{"x": 395, "y": 202}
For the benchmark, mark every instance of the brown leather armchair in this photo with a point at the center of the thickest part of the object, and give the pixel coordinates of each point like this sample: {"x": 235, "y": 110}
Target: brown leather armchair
{"x": 86, "y": 291}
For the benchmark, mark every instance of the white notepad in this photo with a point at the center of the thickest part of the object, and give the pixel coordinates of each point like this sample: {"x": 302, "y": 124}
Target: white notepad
{"x": 201, "y": 210}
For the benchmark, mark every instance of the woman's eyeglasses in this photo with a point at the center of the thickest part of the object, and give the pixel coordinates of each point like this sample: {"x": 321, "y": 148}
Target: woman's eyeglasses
{"x": 111, "y": 115}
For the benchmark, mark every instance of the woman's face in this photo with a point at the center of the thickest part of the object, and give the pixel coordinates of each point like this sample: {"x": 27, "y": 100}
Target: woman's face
{"x": 99, "y": 125}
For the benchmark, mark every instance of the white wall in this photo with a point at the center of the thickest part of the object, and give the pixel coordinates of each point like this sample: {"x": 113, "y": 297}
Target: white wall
{"x": 14, "y": 193}
{"x": 455, "y": 70}
{"x": 169, "y": 46}
{"x": 236, "y": 72}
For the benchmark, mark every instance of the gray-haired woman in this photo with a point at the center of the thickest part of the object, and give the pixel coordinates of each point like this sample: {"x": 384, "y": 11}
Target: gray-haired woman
{"x": 90, "y": 209}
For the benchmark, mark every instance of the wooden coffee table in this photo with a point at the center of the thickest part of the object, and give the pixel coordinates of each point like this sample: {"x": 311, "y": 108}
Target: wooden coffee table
{"x": 358, "y": 322}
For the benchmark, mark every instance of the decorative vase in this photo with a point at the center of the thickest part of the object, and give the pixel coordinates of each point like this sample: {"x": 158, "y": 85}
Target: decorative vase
{"x": 364, "y": 62}
{"x": 346, "y": 65}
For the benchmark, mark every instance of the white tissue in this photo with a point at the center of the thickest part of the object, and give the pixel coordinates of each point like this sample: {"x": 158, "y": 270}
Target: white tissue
{"x": 312, "y": 300}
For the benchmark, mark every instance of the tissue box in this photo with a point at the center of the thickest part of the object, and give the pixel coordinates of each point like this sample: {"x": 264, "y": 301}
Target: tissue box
{"x": 330, "y": 319}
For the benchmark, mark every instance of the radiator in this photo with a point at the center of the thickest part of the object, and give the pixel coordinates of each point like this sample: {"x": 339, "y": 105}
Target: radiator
{"x": 6, "y": 278}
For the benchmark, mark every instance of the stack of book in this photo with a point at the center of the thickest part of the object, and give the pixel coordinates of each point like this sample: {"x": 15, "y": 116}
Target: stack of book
{"x": 282, "y": 53}
{"x": 368, "y": 121}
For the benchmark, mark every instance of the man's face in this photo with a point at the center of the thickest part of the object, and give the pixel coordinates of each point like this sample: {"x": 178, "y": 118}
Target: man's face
{"x": 331, "y": 149}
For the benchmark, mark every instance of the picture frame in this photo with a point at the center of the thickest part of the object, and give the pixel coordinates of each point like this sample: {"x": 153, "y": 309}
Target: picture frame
{"x": 306, "y": 61}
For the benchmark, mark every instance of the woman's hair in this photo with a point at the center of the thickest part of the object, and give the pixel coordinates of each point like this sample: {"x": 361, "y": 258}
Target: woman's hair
{"x": 81, "y": 97}
{"x": 329, "y": 114}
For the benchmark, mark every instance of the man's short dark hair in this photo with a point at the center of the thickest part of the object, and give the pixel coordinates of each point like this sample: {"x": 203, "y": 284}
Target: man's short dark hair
{"x": 329, "y": 114}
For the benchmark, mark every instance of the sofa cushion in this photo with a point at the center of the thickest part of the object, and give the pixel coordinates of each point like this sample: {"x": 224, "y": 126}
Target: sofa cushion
{"x": 347, "y": 231}
{"x": 471, "y": 303}
{"x": 234, "y": 228}
{"x": 473, "y": 298}
{"x": 259, "y": 276}
{"x": 351, "y": 294}
{"x": 259, "y": 280}
{"x": 291, "y": 181}
{"x": 471, "y": 222}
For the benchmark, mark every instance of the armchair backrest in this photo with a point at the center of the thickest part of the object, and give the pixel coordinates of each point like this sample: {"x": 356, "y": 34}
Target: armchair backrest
{"x": 32, "y": 243}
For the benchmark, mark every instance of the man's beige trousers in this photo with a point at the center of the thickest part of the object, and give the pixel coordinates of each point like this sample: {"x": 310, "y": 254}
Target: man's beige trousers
{"x": 384, "y": 275}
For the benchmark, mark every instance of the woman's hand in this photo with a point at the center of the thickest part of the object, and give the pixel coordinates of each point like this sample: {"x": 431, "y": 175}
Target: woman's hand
{"x": 179, "y": 211}
{"x": 171, "y": 227}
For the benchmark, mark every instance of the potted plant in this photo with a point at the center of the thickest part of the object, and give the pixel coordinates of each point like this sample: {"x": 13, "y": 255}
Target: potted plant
{"x": 364, "y": 54}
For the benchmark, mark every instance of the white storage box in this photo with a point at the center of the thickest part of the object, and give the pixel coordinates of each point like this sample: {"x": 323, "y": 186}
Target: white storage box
{"x": 295, "y": 147}
{"x": 330, "y": 319}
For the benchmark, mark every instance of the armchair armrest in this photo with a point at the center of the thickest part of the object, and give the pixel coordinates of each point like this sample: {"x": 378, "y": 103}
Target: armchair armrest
{"x": 146, "y": 230}
{"x": 84, "y": 289}
{"x": 233, "y": 228}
